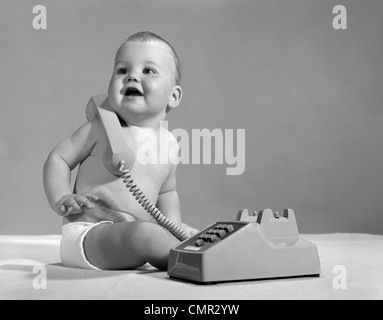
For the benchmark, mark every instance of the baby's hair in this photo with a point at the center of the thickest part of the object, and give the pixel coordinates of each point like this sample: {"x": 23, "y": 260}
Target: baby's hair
{"x": 144, "y": 36}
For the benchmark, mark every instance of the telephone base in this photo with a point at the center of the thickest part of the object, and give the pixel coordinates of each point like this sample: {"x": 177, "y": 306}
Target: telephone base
{"x": 207, "y": 283}
{"x": 260, "y": 246}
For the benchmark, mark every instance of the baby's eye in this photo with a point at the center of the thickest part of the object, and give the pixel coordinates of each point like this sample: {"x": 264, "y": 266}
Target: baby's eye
{"x": 121, "y": 71}
{"x": 148, "y": 71}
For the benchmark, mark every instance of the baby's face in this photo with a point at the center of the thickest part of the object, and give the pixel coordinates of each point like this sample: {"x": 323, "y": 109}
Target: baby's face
{"x": 142, "y": 84}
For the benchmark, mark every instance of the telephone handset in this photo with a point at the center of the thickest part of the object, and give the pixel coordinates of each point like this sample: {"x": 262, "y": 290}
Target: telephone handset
{"x": 117, "y": 149}
{"x": 119, "y": 160}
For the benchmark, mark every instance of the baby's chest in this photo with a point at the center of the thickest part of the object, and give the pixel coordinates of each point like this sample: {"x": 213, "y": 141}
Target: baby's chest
{"x": 152, "y": 163}
{"x": 149, "y": 167}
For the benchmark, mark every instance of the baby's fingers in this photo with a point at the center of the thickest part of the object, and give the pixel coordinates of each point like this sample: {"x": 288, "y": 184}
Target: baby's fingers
{"x": 65, "y": 211}
{"x": 72, "y": 204}
{"x": 91, "y": 196}
{"x": 62, "y": 210}
{"x": 83, "y": 201}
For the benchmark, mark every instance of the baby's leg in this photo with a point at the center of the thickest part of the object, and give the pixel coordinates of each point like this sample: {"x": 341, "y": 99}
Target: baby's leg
{"x": 127, "y": 245}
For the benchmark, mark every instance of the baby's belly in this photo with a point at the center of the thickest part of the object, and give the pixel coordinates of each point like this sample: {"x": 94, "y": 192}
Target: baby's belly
{"x": 116, "y": 202}
{"x": 98, "y": 213}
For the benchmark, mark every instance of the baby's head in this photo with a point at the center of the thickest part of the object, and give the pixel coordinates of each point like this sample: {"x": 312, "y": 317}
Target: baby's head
{"x": 145, "y": 83}
{"x": 146, "y": 36}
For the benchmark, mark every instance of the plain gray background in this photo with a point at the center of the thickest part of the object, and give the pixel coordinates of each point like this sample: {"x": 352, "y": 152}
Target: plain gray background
{"x": 309, "y": 96}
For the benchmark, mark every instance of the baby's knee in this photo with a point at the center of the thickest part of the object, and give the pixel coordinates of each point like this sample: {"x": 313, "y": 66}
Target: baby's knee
{"x": 152, "y": 236}
{"x": 146, "y": 230}
{"x": 153, "y": 242}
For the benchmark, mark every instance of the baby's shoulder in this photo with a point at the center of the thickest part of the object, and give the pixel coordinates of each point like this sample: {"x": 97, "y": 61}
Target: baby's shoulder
{"x": 173, "y": 146}
{"x": 167, "y": 135}
{"x": 91, "y": 130}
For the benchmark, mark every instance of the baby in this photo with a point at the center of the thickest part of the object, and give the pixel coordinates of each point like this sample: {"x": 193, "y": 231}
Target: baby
{"x": 104, "y": 227}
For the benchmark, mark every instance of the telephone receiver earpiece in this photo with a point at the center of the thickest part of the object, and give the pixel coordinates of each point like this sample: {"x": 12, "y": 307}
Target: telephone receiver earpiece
{"x": 117, "y": 150}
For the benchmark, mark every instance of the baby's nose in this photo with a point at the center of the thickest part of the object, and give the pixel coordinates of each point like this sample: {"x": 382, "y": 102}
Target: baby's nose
{"x": 132, "y": 76}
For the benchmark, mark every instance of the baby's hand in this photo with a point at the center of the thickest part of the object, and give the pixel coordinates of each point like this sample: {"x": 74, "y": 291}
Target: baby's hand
{"x": 73, "y": 203}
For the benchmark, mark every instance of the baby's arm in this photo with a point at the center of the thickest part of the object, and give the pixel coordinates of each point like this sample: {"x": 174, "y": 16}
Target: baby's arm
{"x": 57, "y": 171}
{"x": 169, "y": 204}
{"x": 168, "y": 201}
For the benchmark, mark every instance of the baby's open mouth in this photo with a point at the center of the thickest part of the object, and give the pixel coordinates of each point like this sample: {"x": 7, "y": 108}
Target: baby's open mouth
{"x": 131, "y": 92}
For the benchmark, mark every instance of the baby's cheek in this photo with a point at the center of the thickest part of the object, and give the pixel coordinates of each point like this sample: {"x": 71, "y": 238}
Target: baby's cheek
{"x": 114, "y": 99}
{"x": 114, "y": 89}
{"x": 156, "y": 87}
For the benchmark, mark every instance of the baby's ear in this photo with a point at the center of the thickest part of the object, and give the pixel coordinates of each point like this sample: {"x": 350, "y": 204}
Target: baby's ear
{"x": 175, "y": 98}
